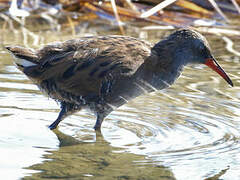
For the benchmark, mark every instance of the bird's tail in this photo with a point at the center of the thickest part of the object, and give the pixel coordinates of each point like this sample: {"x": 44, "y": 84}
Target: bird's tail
{"x": 23, "y": 57}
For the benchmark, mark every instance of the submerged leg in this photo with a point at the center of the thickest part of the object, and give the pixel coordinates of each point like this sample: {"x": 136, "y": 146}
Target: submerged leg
{"x": 100, "y": 118}
{"x": 66, "y": 110}
{"x": 102, "y": 110}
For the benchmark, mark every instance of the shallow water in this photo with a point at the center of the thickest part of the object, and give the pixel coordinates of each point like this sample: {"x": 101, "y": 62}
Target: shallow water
{"x": 188, "y": 131}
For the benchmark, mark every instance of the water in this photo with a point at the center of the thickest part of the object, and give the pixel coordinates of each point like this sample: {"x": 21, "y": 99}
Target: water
{"x": 188, "y": 131}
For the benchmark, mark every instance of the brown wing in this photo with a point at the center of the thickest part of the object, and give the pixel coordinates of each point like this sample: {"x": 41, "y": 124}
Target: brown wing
{"x": 80, "y": 66}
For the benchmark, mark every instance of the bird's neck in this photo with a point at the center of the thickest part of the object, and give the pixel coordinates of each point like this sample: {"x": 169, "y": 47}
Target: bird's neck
{"x": 161, "y": 69}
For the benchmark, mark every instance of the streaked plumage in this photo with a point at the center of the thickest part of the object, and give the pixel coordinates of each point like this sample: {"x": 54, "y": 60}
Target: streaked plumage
{"x": 105, "y": 72}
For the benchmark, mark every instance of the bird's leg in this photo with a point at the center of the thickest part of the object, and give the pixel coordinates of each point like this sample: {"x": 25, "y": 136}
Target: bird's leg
{"x": 100, "y": 118}
{"x": 59, "y": 118}
{"x": 102, "y": 110}
{"x": 66, "y": 110}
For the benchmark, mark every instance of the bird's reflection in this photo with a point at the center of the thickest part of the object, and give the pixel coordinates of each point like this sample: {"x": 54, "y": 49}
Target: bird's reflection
{"x": 84, "y": 160}
{"x": 66, "y": 140}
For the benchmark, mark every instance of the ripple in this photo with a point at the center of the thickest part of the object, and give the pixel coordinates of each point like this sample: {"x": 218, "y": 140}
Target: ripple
{"x": 183, "y": 136}
{"x": 192, "y": 127}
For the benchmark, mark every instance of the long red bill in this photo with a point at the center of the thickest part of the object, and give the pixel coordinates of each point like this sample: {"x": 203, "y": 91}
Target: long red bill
{"x": 212, "y": 63}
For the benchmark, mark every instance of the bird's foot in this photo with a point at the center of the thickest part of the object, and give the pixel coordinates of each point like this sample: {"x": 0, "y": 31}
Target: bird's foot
{"x": 53, "y": 125}
{"x": 97, "y": 127}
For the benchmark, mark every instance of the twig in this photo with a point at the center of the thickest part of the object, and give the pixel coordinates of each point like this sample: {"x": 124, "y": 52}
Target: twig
{"x": 214, "y": 4}
{"x": 157, "y": 8}
{"x": 117, "y": 16}
{"x": 236, "y": 5}
{"x": 131, "y": 5}
{"x": 193, "y": 7}
{"x": 71, "y": 25}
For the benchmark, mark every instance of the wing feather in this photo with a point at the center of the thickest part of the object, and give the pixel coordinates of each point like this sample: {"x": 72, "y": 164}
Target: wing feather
{"x": 80, "y": 66}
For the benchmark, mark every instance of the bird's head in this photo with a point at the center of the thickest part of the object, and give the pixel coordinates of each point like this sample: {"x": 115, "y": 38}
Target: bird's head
{"x": 192, "y": 48}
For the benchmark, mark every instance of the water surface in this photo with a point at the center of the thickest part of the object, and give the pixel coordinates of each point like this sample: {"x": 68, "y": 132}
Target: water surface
{"x": 188, "y": 131}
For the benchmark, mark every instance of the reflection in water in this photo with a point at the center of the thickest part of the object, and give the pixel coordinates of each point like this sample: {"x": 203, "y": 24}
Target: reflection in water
{"x": 189, "y": 130}
{"x": 99, "y": 160}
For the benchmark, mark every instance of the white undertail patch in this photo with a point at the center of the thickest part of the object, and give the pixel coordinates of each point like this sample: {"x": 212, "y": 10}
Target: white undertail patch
{"x": 23, "y": 62}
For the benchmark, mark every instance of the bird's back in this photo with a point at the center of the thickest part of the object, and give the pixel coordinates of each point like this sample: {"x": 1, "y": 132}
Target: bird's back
{"x": 88, "y": 67}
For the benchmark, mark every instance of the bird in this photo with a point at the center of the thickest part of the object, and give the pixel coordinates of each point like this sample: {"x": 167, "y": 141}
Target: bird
{"x": 102, "y": 73}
